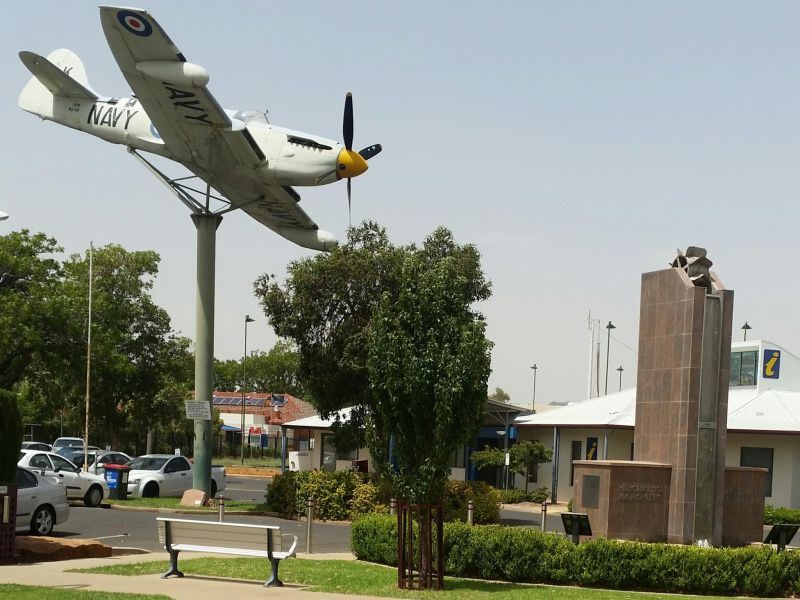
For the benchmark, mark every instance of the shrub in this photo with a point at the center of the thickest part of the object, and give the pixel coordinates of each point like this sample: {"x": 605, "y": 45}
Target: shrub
{"x": 485, "y": 498}
{"x": 512, "y": 496}
{"x": 538, "y": 495}
{"x": 774, "y": 515}
{"x": 366, "y": 499}
{"x": 332, "y": 493}
{"x": 282, "y": 493}
{"x": 374, "y": 538}
{"x": 10, "y": 436}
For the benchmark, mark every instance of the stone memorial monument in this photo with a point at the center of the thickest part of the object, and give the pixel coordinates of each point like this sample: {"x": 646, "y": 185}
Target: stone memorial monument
{"x": 677, "y": 489}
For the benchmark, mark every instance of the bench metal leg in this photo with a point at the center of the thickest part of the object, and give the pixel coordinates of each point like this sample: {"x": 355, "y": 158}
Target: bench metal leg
{"x": 273, "y": 581}
{"x": 173, "y": 565}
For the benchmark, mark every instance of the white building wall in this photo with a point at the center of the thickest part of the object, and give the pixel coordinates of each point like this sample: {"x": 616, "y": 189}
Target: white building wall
{"x": 785, "y": 467}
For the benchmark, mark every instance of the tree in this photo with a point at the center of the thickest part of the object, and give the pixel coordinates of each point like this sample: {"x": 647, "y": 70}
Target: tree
{"x": 526, "y": 456}
{"x": 135, "y": 357}
{"x": 428, "y": 363}
{"x": 325, "y": 308}
{"x": 30, "y": 327}
{"x": 499, "y": 395}
{"x": 273, "y": 371}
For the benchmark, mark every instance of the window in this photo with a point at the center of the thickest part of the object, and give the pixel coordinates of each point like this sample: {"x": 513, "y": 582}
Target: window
{"x": 457, "y": 458}
{"x": 25, "y": 479}
{"x": 759, "y": 457}
{"x": 577, "y": 454}
{"x": 39, "y": 461}
{"x": 63, "y": 464}
{"x": 176, "y": 465}
{"x": 743, "y": 368}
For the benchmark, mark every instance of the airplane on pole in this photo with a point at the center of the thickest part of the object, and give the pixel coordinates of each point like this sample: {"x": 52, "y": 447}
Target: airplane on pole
{"x": 243, "y": 161}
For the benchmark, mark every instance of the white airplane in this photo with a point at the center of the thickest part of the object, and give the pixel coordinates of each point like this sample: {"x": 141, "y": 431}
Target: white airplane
{"x": 3, "y": 216}
{"x": 251, "y": 163}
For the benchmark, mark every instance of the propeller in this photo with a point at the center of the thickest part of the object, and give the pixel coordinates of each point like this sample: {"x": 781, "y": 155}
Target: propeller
{"x": 349, "y": 163}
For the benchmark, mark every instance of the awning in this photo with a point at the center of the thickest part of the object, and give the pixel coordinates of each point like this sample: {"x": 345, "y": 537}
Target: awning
{"x": 230, "y": 428}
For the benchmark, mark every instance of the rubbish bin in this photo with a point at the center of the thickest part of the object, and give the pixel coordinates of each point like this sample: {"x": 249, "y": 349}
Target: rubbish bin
{"x": 117, "y": 479}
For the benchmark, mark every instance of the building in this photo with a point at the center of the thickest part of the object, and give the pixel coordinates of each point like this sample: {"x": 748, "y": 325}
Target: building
{"x": 263, "y": 414}
{"x": 763, "y": 425}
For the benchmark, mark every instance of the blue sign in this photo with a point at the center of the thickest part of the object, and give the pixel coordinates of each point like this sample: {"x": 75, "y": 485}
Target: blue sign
{"x": 512, "y": 433}
{"x": 772, "y": 364}
{"x": 112, "y": 479}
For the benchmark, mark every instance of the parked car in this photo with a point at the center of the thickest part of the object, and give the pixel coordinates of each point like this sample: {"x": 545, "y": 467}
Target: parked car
{"x": 36, "y": 446}
{"x": 88, "y": 487}
{"x": 67, "y": 441}
{"x": 154, "y": 475}
{"x": 69, "y": 452}
{"x": 98, "y": 459}
{"x": 41, "y": 503}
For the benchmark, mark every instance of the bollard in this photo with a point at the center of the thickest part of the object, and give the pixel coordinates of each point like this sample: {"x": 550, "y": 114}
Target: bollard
{"x": 310, "y": 519}
{"x": 221, "y": 501}
{"x": 470, "y": 511}
{"x": 393, "y": 506}
{"x": 544, "y": 515}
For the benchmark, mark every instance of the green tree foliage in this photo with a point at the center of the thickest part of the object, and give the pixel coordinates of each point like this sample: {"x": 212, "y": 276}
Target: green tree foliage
{"x": 139, "y": 375}
{"x": 29, "y": 326}
{"x": 499, "y": 395}
{"x": 429, "y": 361}
{"x": 524, "y": 457}
{"x": 325, "y": 308}
{"x": 274, "y": 371}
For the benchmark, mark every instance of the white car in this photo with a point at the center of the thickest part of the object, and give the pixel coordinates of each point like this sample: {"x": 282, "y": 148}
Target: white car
{"x": 88, "y": 487}
{"x": 98, "y": 459}
{"x": 154, "y": 475}
{"x": 40, "y": 503}
{"x": 67, "y": 441}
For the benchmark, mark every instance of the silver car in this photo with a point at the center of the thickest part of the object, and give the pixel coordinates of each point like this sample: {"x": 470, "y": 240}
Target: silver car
{"x": 41, "y": 503}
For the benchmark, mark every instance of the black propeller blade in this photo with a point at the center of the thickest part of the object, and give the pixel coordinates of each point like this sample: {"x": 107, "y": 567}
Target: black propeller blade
{"x": 347, "y": 124}
{"x": 349, "y": 206}
{"x": 370, "y": 151}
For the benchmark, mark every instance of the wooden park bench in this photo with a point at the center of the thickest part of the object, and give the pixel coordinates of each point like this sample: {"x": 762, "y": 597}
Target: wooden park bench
{"x": 243, "y": 539}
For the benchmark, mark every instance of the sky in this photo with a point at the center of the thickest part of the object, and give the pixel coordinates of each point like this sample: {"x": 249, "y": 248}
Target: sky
{"x": 575, "y": 144}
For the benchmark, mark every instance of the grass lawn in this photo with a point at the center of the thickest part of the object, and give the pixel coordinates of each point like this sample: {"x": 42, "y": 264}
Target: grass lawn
{"x": 28, "y": 592}
{"x": 266, "y": 461}
{"x": 175, "y": 504}
{"x": 355, "y": 578}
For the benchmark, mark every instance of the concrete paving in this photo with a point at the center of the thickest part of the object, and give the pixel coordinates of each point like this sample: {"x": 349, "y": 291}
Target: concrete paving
{"x": 190, "y": 587}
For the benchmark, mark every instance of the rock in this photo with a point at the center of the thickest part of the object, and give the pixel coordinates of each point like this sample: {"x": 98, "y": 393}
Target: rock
{"x": 40, "y": 549}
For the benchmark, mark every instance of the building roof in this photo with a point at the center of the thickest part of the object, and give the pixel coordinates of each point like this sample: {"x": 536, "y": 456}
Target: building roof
{"x": 774, "y": 411}
{"x": 317, "y": 422}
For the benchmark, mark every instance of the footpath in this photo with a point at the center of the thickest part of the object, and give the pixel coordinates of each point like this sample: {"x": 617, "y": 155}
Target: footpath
{"x": 192, "y": 587}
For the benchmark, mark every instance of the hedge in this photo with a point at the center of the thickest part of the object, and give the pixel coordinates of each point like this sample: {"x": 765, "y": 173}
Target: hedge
{"x": 528, "y": 555}
{"x": 345, "y": 494}
{"x": 514, "y": 496}
{"x": 774, "y": 515}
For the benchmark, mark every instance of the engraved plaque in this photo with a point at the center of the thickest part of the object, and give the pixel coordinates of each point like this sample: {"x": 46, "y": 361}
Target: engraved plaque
{"x": 590, "y": 491}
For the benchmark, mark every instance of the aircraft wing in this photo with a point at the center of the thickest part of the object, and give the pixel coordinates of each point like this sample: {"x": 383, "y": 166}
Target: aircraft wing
{"x": 192, "y": 124}
{"x": 276, "y": 206}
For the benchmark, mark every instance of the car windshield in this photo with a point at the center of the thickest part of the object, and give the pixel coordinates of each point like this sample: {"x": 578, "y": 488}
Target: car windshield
{"x": 147, "y": 463}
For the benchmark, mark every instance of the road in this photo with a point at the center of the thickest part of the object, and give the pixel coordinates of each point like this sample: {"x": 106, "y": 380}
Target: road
{"x": 137, "y": 528}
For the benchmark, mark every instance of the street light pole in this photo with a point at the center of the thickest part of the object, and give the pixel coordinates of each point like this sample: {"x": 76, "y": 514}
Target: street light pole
{"x": 533, "y": 403}
{"x": 247, "y": 320}
{"x": 746, "y": 327}
{"x": 609, "y": 327}
{"x": 620, "y": 369}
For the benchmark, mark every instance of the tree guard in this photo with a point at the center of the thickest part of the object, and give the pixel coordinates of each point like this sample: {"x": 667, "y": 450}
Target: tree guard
{"x": 415, "y": 565}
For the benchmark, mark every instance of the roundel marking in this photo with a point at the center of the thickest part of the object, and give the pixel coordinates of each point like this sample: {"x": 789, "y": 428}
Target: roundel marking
{"x": 154, "y": 131}
{"x": 134, "y": 23}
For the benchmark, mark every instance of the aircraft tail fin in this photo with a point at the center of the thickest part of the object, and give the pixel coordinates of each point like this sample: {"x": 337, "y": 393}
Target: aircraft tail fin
{"x": 61, "y": 74}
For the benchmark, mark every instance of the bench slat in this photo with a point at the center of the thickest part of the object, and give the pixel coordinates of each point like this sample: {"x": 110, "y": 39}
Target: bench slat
{"x": 221, "y": 535}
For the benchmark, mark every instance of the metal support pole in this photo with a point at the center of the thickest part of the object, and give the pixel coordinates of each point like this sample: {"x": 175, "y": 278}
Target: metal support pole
{"x": 309, "y": 521}
{"x": 393, "y": 506}
{"x": 221, "y": 501}
{"x": 544, "y": 516}
{"x": 206, "y": 225}
{"x": 470, "y": 511}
